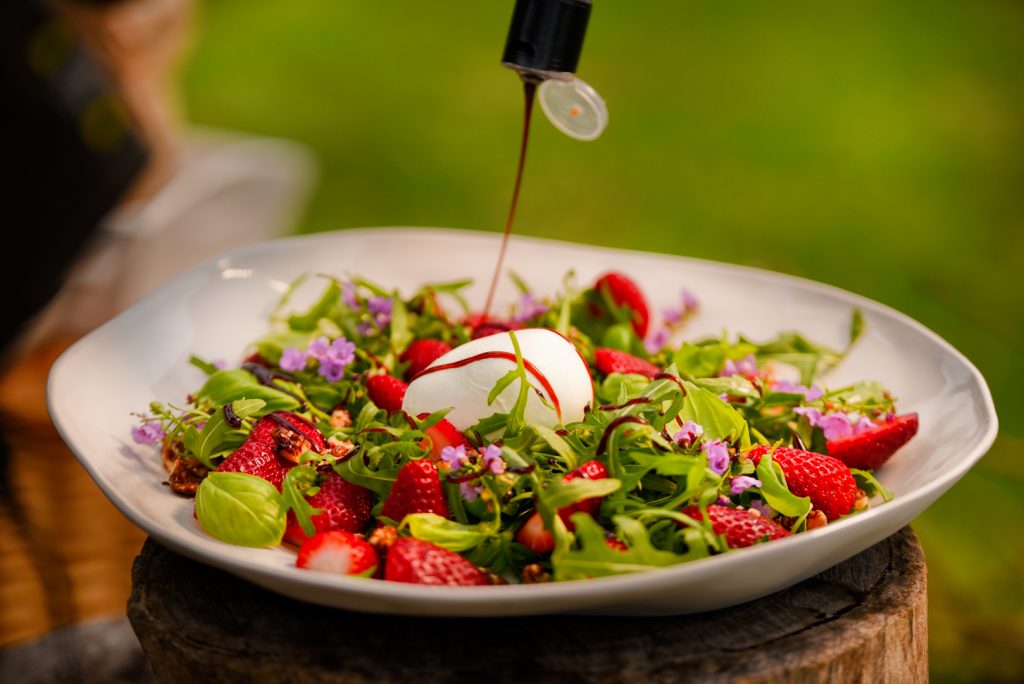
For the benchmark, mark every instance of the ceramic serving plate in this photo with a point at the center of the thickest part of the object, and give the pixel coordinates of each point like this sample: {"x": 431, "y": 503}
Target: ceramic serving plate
{"x": 215, "y": 309}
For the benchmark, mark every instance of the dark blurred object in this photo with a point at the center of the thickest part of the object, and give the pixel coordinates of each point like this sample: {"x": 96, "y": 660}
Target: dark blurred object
{"x": 546, "y": 37}
{"x": 74, "y": 153}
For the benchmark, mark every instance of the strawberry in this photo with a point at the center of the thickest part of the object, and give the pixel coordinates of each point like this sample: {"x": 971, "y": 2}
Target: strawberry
{"x": 614, "y": 361}
{"x": 484, "y": 326}
{"x": 625, "y": 293}
{"x": 872, "y": 448}
{"x": 419, "y": 562}
{"x": 258, "y": 454}
{"x": 420, "y": 354}
{"x": 740, "y": 526}
{"x": 345, "y": 507}
{"x": 338, "y": 552}
{"x": 442, "y": 435}
{"x": 386, "y": 392}
{"x": 535, "y": 537}
{"x": 417, "y": 489}
{"x": 826, "y": 480}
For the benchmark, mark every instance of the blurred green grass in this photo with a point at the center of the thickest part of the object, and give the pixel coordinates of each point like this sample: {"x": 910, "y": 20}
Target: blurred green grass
{"x": 872, "y": 145}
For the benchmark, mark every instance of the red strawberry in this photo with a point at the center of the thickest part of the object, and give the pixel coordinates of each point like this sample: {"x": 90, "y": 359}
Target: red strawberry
{"x": 422, "y": 353}
{"x": 534, "y": 536}
{"x": 338, "y": 552}
{"x": 591, "y": 470}
{"x": 386, "y": 392}
{"x": 258, "y": 454}
{"x": 484, "y": 326}
{"x": 872, "y": 448}
{"x": 614, "y": 361}
{"x": 442, "y": 435}
{"x": 419, "y": 562}
{"x": 417, "y": 489}
{"x": 625, "y": 293}
{"x": 740, "y": 526}
{"x": 826, "y": 480}
{"x": 346, "y": 507}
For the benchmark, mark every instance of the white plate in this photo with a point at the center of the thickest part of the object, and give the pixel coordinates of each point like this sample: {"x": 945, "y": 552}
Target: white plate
{"x": 215, "y": 309}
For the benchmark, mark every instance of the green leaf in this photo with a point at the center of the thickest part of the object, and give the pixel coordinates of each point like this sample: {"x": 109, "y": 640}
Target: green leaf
{"x": 594, "y": 558}
{"x": 699, "y": 361}
{"x": 401, "y": 336}
{"x": 226, "y": 386}
{"x": 796, "y": 350}
{"x": 241, "y": 509}
{"x": 445, "y": 533}
{"x": 778, "y": 496}
{"x": 866, "y": 480}
{"x": 559, "y": 493}
{"x": 355, "y": 470}
{"x": 217, "y": 433}
{"x": 293, "y": 488}
{"x": 202, "y": 365}
{"x": 857, "y": 326}
{"x": 719, "y": 419}
{"x": 734, "y": 386}
{"x": 560, "y": 446}
{"x": 320, "y": 309}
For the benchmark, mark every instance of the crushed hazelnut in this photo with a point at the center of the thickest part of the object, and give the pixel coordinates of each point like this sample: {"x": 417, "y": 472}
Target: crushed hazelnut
{"x": 187, "y": 475}
{"x": 340, "y": 418}
{"x": 290, "y": 444}
{"x": 494, "y": 578}
{"x": 534, "y": 573}
{"x": 383, "y": 537}
{"x": 816, "y": 519}
{"x": 861, "y": 502}
{"x": 340, "y": 448}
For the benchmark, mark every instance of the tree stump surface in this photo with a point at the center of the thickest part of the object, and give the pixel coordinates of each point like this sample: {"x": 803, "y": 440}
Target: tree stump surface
{"x": 864, "y": 620}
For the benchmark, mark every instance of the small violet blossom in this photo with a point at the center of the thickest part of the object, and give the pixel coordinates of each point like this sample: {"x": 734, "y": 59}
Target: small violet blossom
{"x": 293, "y": 359}
{"x": 219, "y": 364}
{"x": 380, "y": 310}
{"x": 149, "y": 432}
{"x": 493, "y": 461}
{"x": 690, "y": 302}
{"x": 764, "y": 509}
{"x": 528, "y": 308}
{"x": 332, "y": 357}
{"x": 742, "y": 483}
{"x": 717, "y": 454}
{"x": 812, "y": 393}
{"x": 673, "y": 317}
{"x": 470, "y": 491}
{"x": 657, "y": 341}
{"x": 348, "y": 295}
{"x": 745, "y": 366}
{"x": 455, "y": 457}
{"x": 688, "y": 433}
{"x": 812, "y": 415}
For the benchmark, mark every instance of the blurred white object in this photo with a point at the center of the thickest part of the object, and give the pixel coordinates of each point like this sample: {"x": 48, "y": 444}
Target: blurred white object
{"x": 225, "y": 192}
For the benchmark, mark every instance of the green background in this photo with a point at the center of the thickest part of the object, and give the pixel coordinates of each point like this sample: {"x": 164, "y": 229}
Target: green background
{"x": 877, "y": 146}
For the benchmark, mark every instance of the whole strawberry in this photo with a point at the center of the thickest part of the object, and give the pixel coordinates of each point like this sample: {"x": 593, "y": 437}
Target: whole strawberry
{"x": 419, "y": 562}
{"x": 417, "y": 489}
{"x": 258, "y": 455}
{"x": 338, "y": 552}
{"x": 626, "y": 293}
{"x": 386, "y": 392}
{"x": 741, "y": 527}
{"x": 345, "y": 507}
{"x": 420, "y": 354}
{"x": 825, "y": 480}
{"x": 615, "y": 361}
{"x": 871, "y": 448}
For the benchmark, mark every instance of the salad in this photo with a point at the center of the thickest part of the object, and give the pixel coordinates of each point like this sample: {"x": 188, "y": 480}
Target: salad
{"x": 575, "y": 436}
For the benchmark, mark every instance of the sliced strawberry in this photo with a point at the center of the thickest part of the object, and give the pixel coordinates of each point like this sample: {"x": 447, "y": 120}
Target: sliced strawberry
{"x": 417, "y": 489}
{"x": 591, "y": 470}
{"x": 338, "y": 552}
{"x": 258, "y": 455}
{"x": 442, "y": 435}
{"x": 420, "y": 354}
{"x": 826, "y": 480}
{"x": 386, "y": 392}
{"x": 871, "y": 448}
{"x": 626, "y": 293}
{"x": 741, "y": 527}
{"x": 534, "y": 536}
{"x": 345, "y": 507}
{"x": 484, "y": 326}
{"x": 419, "y": 562}
{"x": 615, "y": 361}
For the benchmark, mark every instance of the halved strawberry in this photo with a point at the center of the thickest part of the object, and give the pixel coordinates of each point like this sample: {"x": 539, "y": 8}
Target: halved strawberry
{"x": 345, "y": 507}
{"x": 826, "y": 480}
{"x": 442, "y": 435}
{"x": 386, "y": 391}
{"x": 258, "y": 454}
{"x": 534, "y": 536}
{"x": 417, "y": 489}
{"x": 871, "y": 448}
{"x": 740, "y": 526}
{"x": 420, "y": 354}
{"x": 615, "y": 361}
{"x": 338, "y": 552}
{"x": 419, "y": 562}
{"x": 626, "y": 293}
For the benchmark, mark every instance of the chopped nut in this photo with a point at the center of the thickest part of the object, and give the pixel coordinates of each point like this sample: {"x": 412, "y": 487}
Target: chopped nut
{"x": 340, "y": 448}
{"x": 816, "y": 519}
{"x": 383, "y": 537}
{"x": 494, "y": 578}
{"x": 754, "y": 512}
{"x": 340, "y": 418}
{"x": 187, "y": 475}
{"x": 861, "y": 502}
{"x": 534, "y": 573}
{"x": 172, "y": 451}
{"x": 290, "y": 444}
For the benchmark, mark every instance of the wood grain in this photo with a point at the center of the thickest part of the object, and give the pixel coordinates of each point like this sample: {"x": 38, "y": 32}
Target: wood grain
{"x": 863, "y": 620}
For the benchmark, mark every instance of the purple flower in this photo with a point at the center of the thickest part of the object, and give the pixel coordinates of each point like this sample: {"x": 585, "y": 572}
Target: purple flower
{"x": 745, "y": 366}
{"x": 380, "y": 310}
{"x": 528, "y": 308}
{"x": 723, "y": 501}
{"x": 293, "y": 359}
{"x": 470, "y": 490}
{"x": 812, "y": 393}
{"x": 690, "y": 302}
{"x": 492, "y": 459}
{"x": 763, "y": 508}
{"x": 364, "y": 328}
{"x": 219, "y": 364}
{"x": 672, "y": 316}
{"x": 717, "y": 454}
{"x": 149, "y": 432}
{"x": 835, "y": 426}
{"x": 742, "y": 483}
{"x": 319, "y": 347}
{"x": 688, "y": 433}
{"x": 863, "y": 424}
{"x": 657, "y": 341}
{"x": 724, "y": 396}
{"x": 455, "y": 457}
{"x": 812, "y": 415}
{"x": 349, "y": 295}
{"x": 332, "y": 356}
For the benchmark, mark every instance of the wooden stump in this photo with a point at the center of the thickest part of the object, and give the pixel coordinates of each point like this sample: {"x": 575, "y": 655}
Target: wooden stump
{"x": 864, "y": 620}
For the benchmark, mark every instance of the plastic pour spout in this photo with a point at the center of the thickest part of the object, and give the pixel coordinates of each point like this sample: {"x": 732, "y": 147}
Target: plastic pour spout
{"x": 544, "y": 43}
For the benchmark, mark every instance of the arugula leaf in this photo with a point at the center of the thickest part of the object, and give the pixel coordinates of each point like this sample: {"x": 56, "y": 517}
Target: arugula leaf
{"x": 320, "y": 309}
{"x": 202, "y": 365}
{"x": 594, "y": 558}
{"x": 778, "y": 496}
{"x": 445, "y": 533}
{"x": 866, "y": 480}
{"x": 796, "y": 350}
{"x": 296, "y": 482}
{"x": 239, "y": 508}
{"x": 719, "y": 419}
{"x": 699, "y": 361}
{"x": 401, "y": 336}
{"x": 356, "y": 471}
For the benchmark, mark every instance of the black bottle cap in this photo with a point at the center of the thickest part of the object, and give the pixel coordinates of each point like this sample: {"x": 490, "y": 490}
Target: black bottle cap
{"x": 546, "y": 36}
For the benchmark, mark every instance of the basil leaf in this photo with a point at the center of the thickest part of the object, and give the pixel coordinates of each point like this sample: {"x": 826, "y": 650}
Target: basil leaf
{"x": 445, "y": 533}
{"x": 241, "y": 509}
{"x": 699, "y": 361}
{"x": 223, "y": 387}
